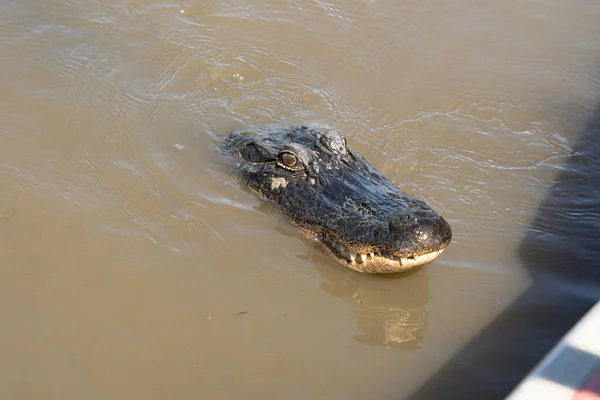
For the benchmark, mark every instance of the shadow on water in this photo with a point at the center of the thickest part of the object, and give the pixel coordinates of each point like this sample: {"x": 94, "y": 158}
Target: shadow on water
{"x": 561, "y": 253}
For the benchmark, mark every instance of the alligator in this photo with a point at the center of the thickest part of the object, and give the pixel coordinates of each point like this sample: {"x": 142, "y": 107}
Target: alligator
{"x": 336, "y": 198}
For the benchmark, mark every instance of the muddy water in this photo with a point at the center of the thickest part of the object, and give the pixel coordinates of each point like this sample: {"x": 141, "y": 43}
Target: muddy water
{"x": 132, "y": 266}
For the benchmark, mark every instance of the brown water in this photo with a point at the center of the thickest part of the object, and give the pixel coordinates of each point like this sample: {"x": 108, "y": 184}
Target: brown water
{"x": 133, "y": 267}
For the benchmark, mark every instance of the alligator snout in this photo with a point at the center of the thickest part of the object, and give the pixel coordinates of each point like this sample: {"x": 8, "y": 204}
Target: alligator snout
{"x": 399, "y": 220}
{"x": 413, "y": 234}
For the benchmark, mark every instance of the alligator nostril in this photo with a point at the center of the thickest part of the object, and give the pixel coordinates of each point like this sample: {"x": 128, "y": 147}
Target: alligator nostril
{"x": 433, "y": 231}
{"x": 401, "y": 219}
{"x": 426, "y": 223}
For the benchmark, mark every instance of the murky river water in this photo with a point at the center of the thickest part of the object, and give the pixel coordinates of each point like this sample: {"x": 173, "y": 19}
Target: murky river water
{"x": 132, "y": 266}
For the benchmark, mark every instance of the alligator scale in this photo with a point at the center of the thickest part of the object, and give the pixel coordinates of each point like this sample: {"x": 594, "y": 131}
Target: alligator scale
{"x": 337, "y": 199}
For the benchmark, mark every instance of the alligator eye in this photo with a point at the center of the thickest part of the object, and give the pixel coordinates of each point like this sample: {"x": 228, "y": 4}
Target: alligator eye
{"x": 288, "y": 160}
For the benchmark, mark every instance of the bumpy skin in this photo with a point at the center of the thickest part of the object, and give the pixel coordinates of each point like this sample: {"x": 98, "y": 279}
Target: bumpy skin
{"x": 336, "y": 198}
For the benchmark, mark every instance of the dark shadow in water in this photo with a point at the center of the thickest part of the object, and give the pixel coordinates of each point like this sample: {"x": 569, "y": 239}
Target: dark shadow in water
{"x": 561, "y": 252}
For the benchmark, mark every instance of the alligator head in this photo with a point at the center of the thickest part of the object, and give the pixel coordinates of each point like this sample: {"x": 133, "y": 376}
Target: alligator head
{"x": 337, "y": 199}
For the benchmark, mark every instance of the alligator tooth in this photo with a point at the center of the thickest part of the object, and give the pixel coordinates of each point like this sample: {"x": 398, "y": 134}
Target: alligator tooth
{"x": 363, "y": 257}
{"x": 403, "y": 261}
{"x": 352, "y": 257}
{"x": 372, "y": 255}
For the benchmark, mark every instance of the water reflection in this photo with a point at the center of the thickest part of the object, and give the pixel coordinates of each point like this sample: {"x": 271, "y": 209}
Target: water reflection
{"x": 390, "y": 310}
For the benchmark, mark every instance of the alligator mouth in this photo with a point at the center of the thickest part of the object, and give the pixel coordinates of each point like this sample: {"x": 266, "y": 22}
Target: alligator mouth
{"x": 382, "y": 263}
{"x": 369, "y": 260}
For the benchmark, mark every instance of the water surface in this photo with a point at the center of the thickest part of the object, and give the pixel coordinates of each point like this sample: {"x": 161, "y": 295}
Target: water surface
{"x": 133, "y": 266}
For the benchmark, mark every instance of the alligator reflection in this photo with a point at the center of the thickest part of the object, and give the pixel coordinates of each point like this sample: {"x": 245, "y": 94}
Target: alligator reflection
{"x": 390, "y": 309}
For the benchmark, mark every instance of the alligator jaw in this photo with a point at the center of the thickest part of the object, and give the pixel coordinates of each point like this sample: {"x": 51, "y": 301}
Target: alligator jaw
{"x": 373, "y": 262}
{"x": 377, "y": 263}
